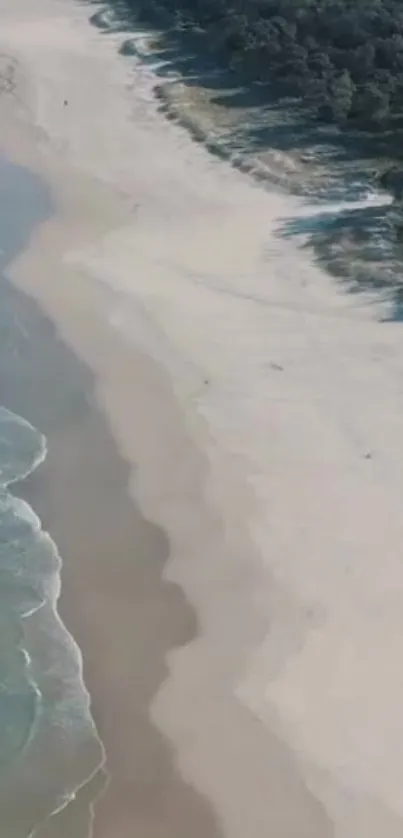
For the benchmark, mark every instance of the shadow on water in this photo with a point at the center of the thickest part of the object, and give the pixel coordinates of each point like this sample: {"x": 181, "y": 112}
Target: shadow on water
{"x": 81, "y": 496}
{"x": 265, "y": 132}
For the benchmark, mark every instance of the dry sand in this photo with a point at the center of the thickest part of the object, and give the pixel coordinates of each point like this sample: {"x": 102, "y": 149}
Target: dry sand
{"x": 242, "y": 633}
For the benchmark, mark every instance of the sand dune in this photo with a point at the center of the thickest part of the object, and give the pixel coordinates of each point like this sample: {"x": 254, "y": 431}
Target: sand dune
{"x": 271, "y": 455}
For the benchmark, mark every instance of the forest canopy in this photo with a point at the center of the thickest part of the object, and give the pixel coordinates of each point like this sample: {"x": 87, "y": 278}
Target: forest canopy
{"x": 344, "y": 58}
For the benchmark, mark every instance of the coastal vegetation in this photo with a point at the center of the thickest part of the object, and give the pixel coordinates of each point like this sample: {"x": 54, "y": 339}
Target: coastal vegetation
{"x": 334, "y": 70}
{"x": 344, "y": 59}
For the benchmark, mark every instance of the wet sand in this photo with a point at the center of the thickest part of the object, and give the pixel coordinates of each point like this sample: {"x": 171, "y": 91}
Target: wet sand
{"x": 125, "y": 616}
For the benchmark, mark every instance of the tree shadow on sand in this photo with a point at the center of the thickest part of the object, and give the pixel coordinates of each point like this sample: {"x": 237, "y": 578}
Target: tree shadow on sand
{"x": 269, "y": 117}
{"x": 268, "y": 135}
{"x": 360, "y": 248}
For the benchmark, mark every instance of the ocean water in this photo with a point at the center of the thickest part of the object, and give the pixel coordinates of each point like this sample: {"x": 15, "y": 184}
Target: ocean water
{"x": 24, "y": 584}
{"x": 49, "y": 746}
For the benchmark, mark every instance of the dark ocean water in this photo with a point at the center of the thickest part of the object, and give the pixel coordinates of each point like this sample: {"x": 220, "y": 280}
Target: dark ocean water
{"x": 48, "y": 742}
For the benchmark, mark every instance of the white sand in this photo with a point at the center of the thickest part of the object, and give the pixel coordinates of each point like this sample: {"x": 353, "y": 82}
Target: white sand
{"x": 297, "y": 576}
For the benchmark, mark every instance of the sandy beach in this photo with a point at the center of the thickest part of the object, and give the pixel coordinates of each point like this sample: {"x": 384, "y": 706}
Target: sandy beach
{"x": 224, "y": 473}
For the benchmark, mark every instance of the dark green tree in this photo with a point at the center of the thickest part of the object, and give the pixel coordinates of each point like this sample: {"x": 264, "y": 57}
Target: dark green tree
{"x": 343, "y": 58}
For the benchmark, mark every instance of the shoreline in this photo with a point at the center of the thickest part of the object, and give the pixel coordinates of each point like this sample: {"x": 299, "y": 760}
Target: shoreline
{"x": 89, "y": 591}
{"x": 223, "y": 387}
{"x": 46, "y": 772}
{"x": 81, "y": 308}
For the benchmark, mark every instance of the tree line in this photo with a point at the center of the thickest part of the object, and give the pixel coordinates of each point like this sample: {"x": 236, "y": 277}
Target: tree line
{"x": 343, "y": 58}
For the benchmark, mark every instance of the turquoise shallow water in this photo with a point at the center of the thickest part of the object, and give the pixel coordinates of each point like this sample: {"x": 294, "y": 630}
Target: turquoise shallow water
{"x": 28, "y": 562}
{"x": 48, "y": 742}
{"x": 49, "y": 746}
